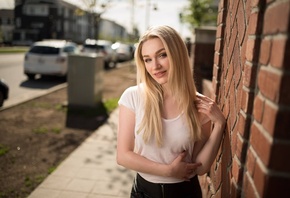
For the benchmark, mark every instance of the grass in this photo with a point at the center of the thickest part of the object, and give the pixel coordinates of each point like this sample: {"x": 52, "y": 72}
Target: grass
{"x": 40, "y": 130}
{"x": 3, "y": 150}
{"x": 111, "y": 104}
{"x": 6, "y": 50}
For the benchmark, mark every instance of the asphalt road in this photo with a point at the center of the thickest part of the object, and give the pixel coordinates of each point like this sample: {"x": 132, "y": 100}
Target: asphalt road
{"x": 20, "y": 88}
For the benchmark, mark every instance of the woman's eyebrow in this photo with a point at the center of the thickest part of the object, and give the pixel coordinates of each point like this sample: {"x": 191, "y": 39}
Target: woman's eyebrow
{"x": 157, "y": 52}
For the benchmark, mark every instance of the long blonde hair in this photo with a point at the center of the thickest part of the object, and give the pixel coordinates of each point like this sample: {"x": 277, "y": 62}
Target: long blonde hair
{"x": 180, "y": 81}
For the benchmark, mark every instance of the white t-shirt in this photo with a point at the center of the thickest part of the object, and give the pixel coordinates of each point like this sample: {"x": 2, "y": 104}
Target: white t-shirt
{"x": 176, "y": 138}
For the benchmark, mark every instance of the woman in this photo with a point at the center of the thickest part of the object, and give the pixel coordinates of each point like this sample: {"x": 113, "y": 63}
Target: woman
{"x": 165, "y": 132}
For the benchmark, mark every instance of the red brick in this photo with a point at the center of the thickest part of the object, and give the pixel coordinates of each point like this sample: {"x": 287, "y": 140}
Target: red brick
{"x": 261, "y": 145}
{"x": 247, "y": 101}
{"x": 255, "y": 25}
{"x": 248, "y": 189}
{"x": 217, "y": 59}
{"x": 244, "y": 125}
{"x": 250, "y": 162}
{"x": 241, "y": 26}
{"x": 243, "y": 52}
{"x": 278, "y": 52}
{"x": 266, "y": 49}
{"x": 226, "y": 109}
{"x": 237, "y": 171}
{"x": 234, "y": 5}
{"x": 255, "y": 3}
{"x": 250, "y": 49}
{"x": 233, "y": 43}
{"x": 269, "y": 84}
{"x": 241, "y": 149}
{"x": 235, "y": 191}
{"x": 249, "y": 76}
{"x": 233, "y": 109}
{"x": 216, "y": 71}
{"x": 248, "y": 11}
{"x": 237, "y": 69}
{"x": 220, "y": 17}
{"x": 276, "y": 18}
{"x": 260, "y": 179}
{"x": 276, "y": 121}
{"x": 269, "y": 118}
{"x": 219, "y": 31}
{"x": 258, "y": 109}
{"x": 234, "y": 137}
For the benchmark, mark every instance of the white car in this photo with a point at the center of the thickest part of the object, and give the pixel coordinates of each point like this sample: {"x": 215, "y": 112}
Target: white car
{"x": 49, "y": 57}
{"x": 102, "y": 47}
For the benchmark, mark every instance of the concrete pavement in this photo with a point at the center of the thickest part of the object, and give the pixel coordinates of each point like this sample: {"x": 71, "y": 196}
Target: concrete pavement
{"x": 90, "y": 171}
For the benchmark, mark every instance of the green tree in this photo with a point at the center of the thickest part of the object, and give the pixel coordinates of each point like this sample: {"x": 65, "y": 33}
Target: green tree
{"x": 199, "y": 13}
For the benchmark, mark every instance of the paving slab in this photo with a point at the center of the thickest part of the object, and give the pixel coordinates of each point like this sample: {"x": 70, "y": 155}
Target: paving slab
{"x": 90, "y": 171}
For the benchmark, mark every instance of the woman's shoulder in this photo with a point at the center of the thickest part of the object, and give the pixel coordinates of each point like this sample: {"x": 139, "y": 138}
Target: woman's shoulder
{"x": 132, "y": 90}
{"x": 131, "y": 96}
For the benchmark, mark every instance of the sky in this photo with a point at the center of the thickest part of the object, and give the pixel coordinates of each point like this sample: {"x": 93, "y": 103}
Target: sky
{"x": 167, "y": 13}
{"x": 120, "y": 11}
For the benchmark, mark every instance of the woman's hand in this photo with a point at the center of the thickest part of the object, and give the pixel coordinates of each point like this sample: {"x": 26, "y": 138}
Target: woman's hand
{"x": 207, "y": 106}
{"x": 181, "y": 169}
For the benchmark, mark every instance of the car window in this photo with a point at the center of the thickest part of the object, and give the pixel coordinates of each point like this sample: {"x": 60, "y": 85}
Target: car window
{"x": 44, "y": 50}
{"x": 97, "y": 47}
{"x": 69, "y": 49}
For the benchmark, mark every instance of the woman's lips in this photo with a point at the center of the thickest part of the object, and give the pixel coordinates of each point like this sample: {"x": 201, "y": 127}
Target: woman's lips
{"x": 160, "y": 74}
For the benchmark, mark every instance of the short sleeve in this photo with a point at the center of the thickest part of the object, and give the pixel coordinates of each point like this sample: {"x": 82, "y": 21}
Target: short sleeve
{"x": 130, "y": 98}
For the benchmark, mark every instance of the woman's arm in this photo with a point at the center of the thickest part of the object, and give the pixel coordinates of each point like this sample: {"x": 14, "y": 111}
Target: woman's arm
{"x": 128, "y": 158}
{"x": 206, "y": 149}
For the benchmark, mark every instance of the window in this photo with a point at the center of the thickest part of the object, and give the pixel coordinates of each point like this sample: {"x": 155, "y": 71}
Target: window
{"x": 69, "y": 49}
{"x": 44, "y": 50}
{"x": 36, "y": 10}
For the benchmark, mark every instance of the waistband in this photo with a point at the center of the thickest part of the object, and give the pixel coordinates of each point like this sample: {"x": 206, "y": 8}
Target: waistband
{"x": 188, "y": 189}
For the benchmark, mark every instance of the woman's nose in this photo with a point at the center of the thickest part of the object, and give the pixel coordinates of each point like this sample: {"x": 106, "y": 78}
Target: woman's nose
{"x": 156, "y": 64}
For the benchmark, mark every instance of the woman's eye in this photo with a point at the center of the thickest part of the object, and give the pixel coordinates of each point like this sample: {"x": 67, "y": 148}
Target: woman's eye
{"x": 147, "y": 60}
{"x": 163, "y": 55}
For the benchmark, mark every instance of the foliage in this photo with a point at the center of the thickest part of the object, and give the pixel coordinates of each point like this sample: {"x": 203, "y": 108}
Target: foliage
{"x": 4, "y": 50}
{"x": 199, "y": 12}
{"x": 111, "y": 104}
{"x": 3, "y": 150}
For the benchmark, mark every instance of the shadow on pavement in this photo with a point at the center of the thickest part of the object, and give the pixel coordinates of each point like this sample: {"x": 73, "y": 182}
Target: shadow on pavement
{"x": 89, "y": 118}
{"x": 44, "y": 82}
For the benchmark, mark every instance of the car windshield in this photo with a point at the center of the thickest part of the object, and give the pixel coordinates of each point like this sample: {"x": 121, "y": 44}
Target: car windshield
{"x": 97, "y": 47}
{"x": 44, "y": 50}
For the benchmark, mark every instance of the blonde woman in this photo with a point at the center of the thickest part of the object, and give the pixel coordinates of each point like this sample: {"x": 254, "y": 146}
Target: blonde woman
{"x": 165, "y": 132}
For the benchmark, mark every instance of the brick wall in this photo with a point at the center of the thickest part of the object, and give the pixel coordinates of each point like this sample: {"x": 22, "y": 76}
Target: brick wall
{"x": 251, "y": 76}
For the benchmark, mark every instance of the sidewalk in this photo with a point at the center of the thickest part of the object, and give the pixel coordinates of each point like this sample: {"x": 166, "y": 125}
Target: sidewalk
{"x": 91, "y": 170}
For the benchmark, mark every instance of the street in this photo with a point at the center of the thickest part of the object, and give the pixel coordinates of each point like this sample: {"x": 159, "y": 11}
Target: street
{"x": 20, "y": 88}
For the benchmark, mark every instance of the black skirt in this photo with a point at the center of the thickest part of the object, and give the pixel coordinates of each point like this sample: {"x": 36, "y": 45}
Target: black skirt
{"x": 145, "y": 189}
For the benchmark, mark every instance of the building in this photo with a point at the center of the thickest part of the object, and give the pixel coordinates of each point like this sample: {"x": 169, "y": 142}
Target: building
{"x": 6, "y": 26}
{"x": 56, "y": 19}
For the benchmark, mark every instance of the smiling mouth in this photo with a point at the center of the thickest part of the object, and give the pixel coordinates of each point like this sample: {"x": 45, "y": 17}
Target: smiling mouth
{"x": 160, "y": 74}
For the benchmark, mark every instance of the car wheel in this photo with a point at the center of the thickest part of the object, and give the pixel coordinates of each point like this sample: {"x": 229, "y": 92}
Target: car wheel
{"x": 31, "y": 76}
{"x": 110, "y": 65}
{"x": 1, "y": 99}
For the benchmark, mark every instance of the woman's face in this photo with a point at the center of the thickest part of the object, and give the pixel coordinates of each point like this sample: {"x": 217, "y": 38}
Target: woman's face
{"x": 156, "y": 60}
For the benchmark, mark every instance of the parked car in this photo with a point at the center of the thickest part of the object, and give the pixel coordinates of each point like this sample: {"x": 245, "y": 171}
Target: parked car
{"x": 102, "y": 47}
{"x": 49, "y": 57}
{"x": 4, "y": 92}
{"x": 124, "y": 52}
